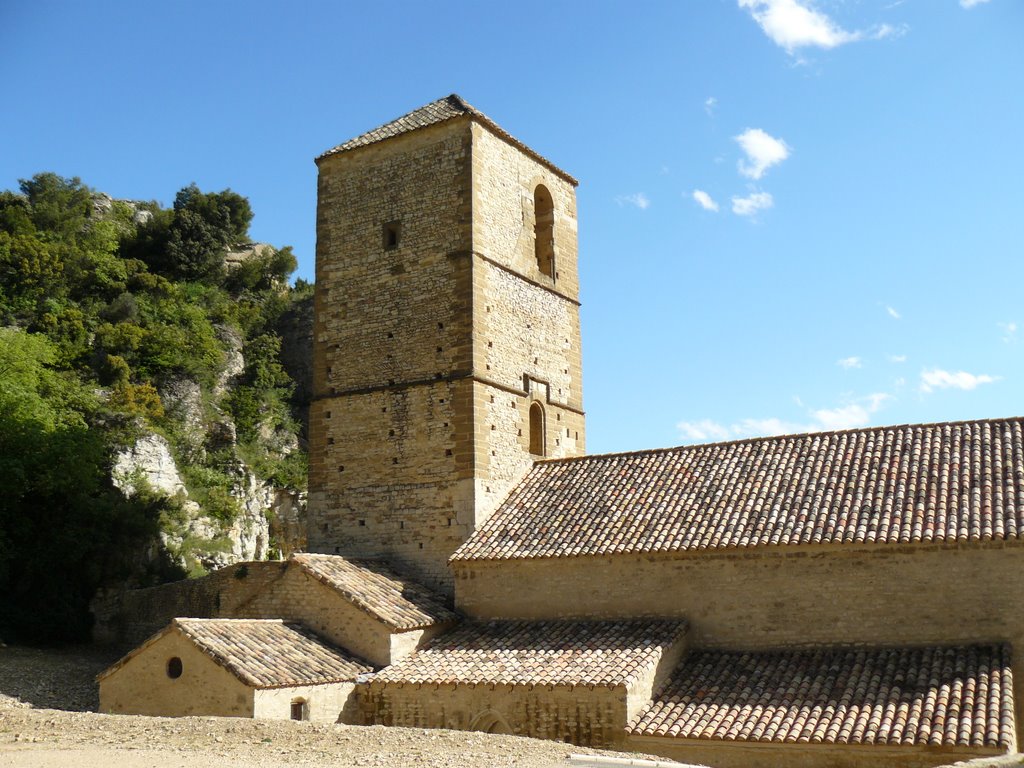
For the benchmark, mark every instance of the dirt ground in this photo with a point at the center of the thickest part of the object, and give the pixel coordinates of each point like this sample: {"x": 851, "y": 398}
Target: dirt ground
{"x": 48, "y": 720}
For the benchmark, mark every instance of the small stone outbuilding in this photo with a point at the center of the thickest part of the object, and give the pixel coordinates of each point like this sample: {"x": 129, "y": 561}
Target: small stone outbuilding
{"x": 359, "y": 604}
{"x": 575, "y": 681}
{"x": 261, "y": 668}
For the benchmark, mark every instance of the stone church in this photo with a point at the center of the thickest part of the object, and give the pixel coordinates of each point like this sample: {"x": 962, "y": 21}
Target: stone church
{"x": 840, "y": 599}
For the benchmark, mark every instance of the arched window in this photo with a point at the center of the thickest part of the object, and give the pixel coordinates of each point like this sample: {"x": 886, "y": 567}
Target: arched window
{"x": 490, "y": 722}
{"x": 536, "y": 429}
{"x": 544, "y": 230}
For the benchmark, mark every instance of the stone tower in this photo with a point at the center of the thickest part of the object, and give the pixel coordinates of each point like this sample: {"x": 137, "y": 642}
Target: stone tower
{"x": 447, "y": 335}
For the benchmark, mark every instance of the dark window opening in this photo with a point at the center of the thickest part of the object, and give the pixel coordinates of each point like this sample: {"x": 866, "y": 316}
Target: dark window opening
{"x": 544, "y": 230}
{"x": 392, "y": 235}
{"x": 299, "y": 711}
{"x": 174, "y": 668}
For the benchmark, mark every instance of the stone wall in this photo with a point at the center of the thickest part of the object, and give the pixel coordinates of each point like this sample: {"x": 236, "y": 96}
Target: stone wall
{"x": 390, "y": 465}
{"x": 589, "y": 716}
{"x": 526, "y": 323}
{"x": 879, "y": 596}
{"x": 328, "y": 703}
{"x": 142, "y": 686}
{"x": 127, "y": 617}
{"x": 429, "y": 351}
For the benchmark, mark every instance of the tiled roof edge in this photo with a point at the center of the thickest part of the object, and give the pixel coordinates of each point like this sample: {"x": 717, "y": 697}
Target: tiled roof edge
{"x": 769, "y": 438}
{"x": 216, "y": 657}
{"x": 135, "y": 652}
{"x": 357, "y": 601}
{"x": 844, "y": 546}
{"x": 362, "y": 604}
{"x": 467, "y": 110}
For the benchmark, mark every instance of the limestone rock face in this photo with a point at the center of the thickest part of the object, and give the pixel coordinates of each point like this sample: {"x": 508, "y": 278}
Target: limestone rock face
{"x": 242, "y": 252}
{"x": 149, "y": 459}
{"x": 182, "y": 399}
{"x": 234, "y": 362}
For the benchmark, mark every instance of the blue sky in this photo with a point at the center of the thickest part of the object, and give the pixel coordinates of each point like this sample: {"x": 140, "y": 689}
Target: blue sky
{"x": 794, "y": 215}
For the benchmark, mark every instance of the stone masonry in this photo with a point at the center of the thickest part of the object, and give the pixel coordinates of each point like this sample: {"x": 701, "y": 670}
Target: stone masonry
{"x": 437, "y": 330}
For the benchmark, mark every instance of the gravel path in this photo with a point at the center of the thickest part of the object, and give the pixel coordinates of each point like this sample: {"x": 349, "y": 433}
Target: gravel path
{"x": 46, "y": 722}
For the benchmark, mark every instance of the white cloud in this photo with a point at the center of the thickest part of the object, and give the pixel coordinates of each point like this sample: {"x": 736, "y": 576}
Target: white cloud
{"x": 704, "y": 200}
{"x": 750, "y": 205}
{"x": 1009, "y": 331}
{"x": 762, "y": 150}
{"x": 893, "y": 313}
{"x": 639, "y": 200}
{"x": 849, "y": 362}
{"x": 793, "y": 24}
{"x": 850, "y": 416}
{"x": 971, "y": 3}
{"x": 709, "y": 105}
{"x": 702, "y": 431}
{"x": 937, "y": 378}
{"x": 897, "y": 358}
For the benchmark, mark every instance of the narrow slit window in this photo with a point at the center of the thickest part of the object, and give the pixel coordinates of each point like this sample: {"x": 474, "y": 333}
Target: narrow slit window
{"x": 392, "y": 235}
{"x": 536, "y": 430}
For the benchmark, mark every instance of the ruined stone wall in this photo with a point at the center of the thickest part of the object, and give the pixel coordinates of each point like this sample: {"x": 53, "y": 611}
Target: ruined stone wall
{"x": 588, "y": 716}
{"x": 390, "y": 462}
{"x": 142, "y": 687}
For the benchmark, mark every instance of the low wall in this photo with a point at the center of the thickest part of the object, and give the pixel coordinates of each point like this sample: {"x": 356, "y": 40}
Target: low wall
{"x": 588, "y": 716}
{"x": 125, "y": 618}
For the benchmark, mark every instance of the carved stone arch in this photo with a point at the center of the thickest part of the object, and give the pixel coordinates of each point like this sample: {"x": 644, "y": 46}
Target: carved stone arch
{"x": 490, "y": 721}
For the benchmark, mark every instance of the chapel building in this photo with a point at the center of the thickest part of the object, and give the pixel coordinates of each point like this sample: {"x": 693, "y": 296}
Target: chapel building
{"x": 851, "y": 598}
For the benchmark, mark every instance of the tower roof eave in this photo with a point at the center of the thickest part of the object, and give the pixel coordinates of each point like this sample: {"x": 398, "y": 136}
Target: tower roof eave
{"x": 443, "y": 110}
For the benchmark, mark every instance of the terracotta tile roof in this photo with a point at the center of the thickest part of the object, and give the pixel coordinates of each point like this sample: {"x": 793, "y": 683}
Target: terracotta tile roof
{"x": 434, "y": 113}
{"x": 951, "y": 482}
{"x": 267, "y": 653}
{"x": 605, "y": 653}
{"x": 374, "y": 588}
{"x": 898, "y": 696}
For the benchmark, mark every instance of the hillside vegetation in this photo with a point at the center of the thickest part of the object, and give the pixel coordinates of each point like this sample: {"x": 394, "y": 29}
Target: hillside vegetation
{"x": 119, "y": 322}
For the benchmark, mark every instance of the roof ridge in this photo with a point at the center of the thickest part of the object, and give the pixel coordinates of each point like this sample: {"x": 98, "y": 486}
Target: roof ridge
{"x": 767, "y": 438}
{"x": 434, "y": 113}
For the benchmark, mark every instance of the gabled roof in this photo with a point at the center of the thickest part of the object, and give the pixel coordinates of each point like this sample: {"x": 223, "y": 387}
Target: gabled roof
{"x": 373, "y": 587}
{"x": 263, "y": 653}
{"x": 434, "y": 113}
{"x": 896, "y": 696}
{"x": 930, "y": 483}
{"x": 605, "y": 653}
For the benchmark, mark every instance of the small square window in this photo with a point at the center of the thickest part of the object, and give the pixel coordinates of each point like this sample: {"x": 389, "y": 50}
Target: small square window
{"x": 392, "y": 235}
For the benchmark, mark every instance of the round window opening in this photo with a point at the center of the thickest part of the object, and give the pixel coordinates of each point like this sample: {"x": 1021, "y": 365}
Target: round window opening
{"x": 174, "y": 668}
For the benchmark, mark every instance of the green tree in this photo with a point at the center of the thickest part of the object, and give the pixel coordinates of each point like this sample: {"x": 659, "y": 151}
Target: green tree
{"x": 64, "y": 529}
{"x": 204, "y": 225}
